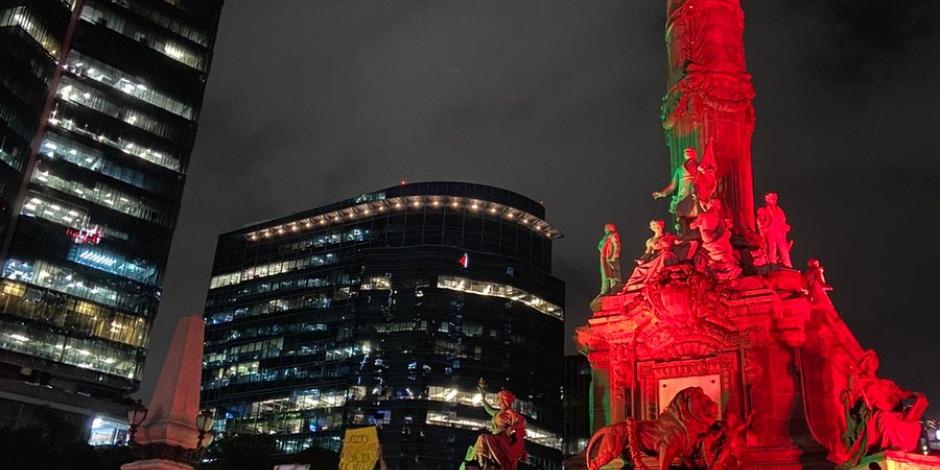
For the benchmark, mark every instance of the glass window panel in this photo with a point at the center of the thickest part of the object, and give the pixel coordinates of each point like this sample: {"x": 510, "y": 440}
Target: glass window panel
{"x": 102, "y": 195}
{"x": 129, "y": 147}
{"x": 144, "y": 35}
{"x": 87, "y": 66}
{"x": 24, "y": 19}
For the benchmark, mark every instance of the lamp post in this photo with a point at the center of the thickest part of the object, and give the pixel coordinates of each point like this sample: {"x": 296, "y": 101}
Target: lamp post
{"x": 204, "y": 422}
{"x": 135, "y": 416}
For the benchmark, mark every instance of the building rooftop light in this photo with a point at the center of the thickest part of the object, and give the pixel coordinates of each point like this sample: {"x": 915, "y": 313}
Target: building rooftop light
{"x": 400, "y": 203}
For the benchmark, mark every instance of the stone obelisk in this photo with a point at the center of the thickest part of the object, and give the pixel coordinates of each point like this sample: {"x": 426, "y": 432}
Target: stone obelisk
{"x": 709, "y": 96}
{"x": 168, "y": 437}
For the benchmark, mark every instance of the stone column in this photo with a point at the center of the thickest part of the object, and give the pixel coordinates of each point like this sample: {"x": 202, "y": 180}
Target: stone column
{"x": 709, "y": 96}
{"x": 621, "y": 383}
{"x": 600, "y": 389}
{"x": 168, "y": 437}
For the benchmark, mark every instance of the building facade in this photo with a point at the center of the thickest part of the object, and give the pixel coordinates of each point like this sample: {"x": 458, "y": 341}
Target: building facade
{"x": 577, "y": 404}
{"x": 388, "y": 309}
{"x": 99, "y": 102}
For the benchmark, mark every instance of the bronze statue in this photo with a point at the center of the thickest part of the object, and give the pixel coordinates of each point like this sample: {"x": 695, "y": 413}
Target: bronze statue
{"x": 609, "y": 248}
{"x": 504, "y": 446}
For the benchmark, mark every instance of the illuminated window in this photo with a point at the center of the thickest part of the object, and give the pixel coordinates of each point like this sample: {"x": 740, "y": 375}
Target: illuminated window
{"x": 250, "y": 351}
{"x": 12, "y": 159}
{"x": 102, "y": 195}
{"x": 54, "y": 210}
{"x": 144, "y": 35}
{"x": 67, "y": 281}
{"x": 14, "y": 289}
{"x": 89, "y": 97}
{"x": 270, "y": 269}
{"x": 283, "y": 304}
{"x": 104, "y": 260}
{"x": 505, "y": 291}
{"x": 24, "y": 19}
{"x": 234, "y": 374}
{"x": 86, "y": 353}
{"x": 78, "y": 316}
{"x": 377, "y": 283}
{"x": 87, "y": 66}
{"x": 57, "y": 146}
{"x": 108, "y": 432}
{"x": 157, "y": 157}
{"x": 452, "y": 419}
{"x": 190, "y": 32}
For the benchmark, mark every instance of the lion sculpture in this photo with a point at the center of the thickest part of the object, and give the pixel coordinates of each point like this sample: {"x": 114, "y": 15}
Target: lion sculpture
{"x": 676, "y": 434}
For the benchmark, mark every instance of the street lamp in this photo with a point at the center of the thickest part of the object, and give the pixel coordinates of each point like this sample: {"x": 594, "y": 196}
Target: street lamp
{"x": 135, "y": 416}
{"x": 204, "y": 426}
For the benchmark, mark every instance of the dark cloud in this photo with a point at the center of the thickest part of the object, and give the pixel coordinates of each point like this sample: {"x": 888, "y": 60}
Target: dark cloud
{"x": 859, "y": 41}
{"x": 312, "y": 102}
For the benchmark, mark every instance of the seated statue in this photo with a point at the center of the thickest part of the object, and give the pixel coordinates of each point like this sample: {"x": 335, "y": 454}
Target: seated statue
{"x": 716, "y": 242}
{"x": 658, "y": 254}
{"x": 504, "y": 446}
{"x": 877, "y": 418}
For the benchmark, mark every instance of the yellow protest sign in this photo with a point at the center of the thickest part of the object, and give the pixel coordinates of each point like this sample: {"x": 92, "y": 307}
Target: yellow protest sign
{"x": 360, "y": 449}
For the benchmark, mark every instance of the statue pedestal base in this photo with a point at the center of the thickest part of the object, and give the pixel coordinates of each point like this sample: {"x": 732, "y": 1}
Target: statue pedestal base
{"x": 155, "y": 464}
{"x": 892, "y": 460}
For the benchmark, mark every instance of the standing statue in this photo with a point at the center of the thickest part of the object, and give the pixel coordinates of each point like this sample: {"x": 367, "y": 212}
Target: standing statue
{"x": 609, "y": 248}
{"x": 658, "y": 254}
{"x": 706, "y": 178}
{"x": 816, "y": 286}
{"x": 716, "y": 241}
{"x": 877, "y": 418}
{"x": 773, "y": 228}
{"x": 682, "y": 189}
{"x": 504, "y": 446}
{"x": 678, "y": 433}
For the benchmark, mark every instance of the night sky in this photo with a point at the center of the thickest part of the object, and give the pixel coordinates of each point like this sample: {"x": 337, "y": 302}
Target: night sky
{"x": 310, "y": 102}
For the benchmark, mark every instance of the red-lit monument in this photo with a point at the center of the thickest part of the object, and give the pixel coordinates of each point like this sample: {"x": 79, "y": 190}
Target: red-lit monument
{"x": 715, "y": 316}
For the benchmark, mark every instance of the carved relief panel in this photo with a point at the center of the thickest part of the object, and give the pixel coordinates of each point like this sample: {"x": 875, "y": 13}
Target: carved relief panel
{"x": 718, "y": 376}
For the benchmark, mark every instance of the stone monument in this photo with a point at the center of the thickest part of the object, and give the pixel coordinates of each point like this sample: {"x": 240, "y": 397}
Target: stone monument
{"x": 168, "y": 438}
{"x": 719, "y": 310}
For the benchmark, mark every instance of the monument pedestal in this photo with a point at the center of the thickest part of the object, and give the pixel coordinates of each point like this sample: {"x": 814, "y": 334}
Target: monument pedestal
{"x": 746, "y": 344}
{"x": 155, "y": 464}
{"x": 892, "y": 460}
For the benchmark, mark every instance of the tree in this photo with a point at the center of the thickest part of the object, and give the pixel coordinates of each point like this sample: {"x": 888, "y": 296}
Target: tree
{"x": 241, "y": 452}
{"x": 257, "y": 452}
{"x": 53, "y": 442}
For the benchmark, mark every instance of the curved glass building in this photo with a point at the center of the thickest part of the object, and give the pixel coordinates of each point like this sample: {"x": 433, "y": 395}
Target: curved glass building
{"x": 387, "y": 309}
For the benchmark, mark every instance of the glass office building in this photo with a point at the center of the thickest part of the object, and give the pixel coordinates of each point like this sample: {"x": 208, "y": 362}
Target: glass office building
{"x": 99, "y": 102}
{"x": 387, "y": 309}
{"x": 577, "y": 404}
